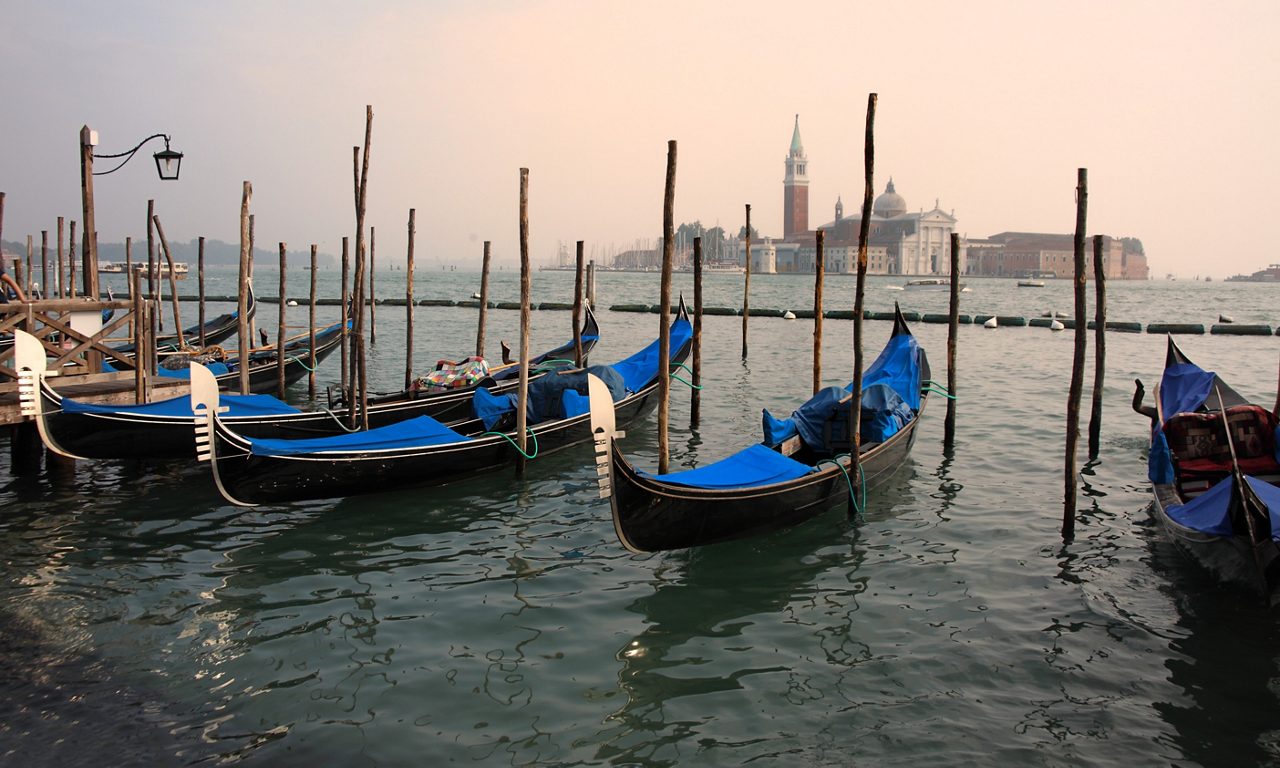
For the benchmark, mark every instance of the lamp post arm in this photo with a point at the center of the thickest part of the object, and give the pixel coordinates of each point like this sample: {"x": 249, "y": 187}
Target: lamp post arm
{"x": 130, "y": 153}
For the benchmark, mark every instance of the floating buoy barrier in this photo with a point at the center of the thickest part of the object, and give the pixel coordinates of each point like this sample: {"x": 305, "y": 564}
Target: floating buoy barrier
{"x": 944, "y": 319}
{"x": 554, "y": 305}
{"x": 806, "y": 314}
{"x": 1241, "y": 330}
{"x": 788, "y": 315}
{"x": 1189, "y": 328}
{"x": 839, "y": 314}
{"x": 1122, "y": 326}
{"x": 1011, "y": 321}
{"x": 508, "y": 305}
{"x": 910, "y": 317}
{"x": 764, "y": 312}
{"x": 719, "y": 311}
{"x": 878, "y": 315}
{"x": 441, "y": 303}
{"x": 637, "y": 308}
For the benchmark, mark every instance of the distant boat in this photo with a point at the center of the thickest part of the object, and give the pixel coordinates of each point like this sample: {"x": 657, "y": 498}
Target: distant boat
{"x": 180, "y": 269}
{"x": 929, "y": 284}
{"x": 1030, "y": 283}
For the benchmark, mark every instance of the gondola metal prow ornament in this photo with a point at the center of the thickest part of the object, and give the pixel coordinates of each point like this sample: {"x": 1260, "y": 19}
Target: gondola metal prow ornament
{"x": 603, "y": 432}
{"x": 29, "y": 359}
{"x": 204, "y": 404}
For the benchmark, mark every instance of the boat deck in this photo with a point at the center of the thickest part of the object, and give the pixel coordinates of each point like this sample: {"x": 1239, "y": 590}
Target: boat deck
{"x": 105, "y": 389}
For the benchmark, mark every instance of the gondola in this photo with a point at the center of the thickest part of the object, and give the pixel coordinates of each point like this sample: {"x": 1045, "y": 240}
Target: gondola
{"x": 162, "y": 430}
{"x": 421, "y": 450}
{"x": 158, "y": 430}
{"x": 1214, "y": 475}
{"x": 801, "y": 468}
{"x": 216, "y": 330}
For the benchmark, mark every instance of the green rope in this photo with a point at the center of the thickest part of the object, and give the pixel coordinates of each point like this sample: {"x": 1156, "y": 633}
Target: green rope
{"x": 551, "y": 364}
{"x": 688, "y": 384}
{"x": 507, "y": 437}
{"x": 861, "y": 485}
{"x": 304, "y": 365}
{"x": 940, "y": 392}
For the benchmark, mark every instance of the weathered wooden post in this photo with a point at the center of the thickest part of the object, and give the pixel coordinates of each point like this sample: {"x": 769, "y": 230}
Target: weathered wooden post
{"x": 242, "y": 307}
{"x": 62, "y": 288}
{"x": 153, "y": 271}
{"x": 819, "y": 271}
{"x": 953, "y": 333}
{"x": 591, "y": 283}
{"x": 746, "y": 285}
{"x": 864, "y": 230}
{"x": 71, "y": 260}
{"x": 373, "y": 294}
{"x": 484, "y": 300}
{"x": 252, "y": 249}
{"x": 664, "y": 312}
{"x": 200, "y": 288}
{"x": 280, "y": 328}
{"x": 345, "y": 313}
{"x": 139, "y": 323}
{"x": 577, "y": 307}
{"x": 90, "y": 255}
{"x": 128, "y": 266}
{"x": 26, "y": 285}
{"x": 695, "y": 393}
{"x": 522, "y": 397}
{"x": 173, "y": 282}
{"x": 1077, "y": 364}
{"x": 44, "y": 264}
{"x": 1099, "y": 348}
{"x": 360, "y": 378}
{"x": 311, "y": 329}
{"x": 408, "y": 302}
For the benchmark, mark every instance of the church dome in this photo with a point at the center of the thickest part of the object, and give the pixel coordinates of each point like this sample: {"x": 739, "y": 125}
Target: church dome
{"x": 889, "y": 204}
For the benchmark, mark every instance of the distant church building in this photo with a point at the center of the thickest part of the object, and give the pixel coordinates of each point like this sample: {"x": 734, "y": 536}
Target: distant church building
{"x": 898, "y": 243}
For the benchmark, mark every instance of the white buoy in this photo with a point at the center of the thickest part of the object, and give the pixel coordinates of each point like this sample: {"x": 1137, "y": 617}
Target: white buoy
{"x": 475, "y": 295}
{"x": 991, "y": 323}
{"x": 291, "y": 303}
{"x": 1056, "y": 325}
{"x": 788, "y": 315}
{"x": 1226, "y": 319}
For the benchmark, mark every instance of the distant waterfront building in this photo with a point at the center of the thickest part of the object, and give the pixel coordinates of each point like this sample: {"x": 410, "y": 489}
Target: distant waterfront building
{"x": 1038, "y": 254}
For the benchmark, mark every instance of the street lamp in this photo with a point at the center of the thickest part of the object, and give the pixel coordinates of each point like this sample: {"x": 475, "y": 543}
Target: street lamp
{"x": 168, "y": 163}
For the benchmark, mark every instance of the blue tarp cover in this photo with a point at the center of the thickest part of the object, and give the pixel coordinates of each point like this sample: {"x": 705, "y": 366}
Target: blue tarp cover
{"x": 420, "y": 431}
{"x": 890, "y": 398}
{"x": 549, "y": 396}
{"x": 750, "y": 467}
{"x": 216, "y": 368}
{"x": 1207, "y": 512}
{"x": 240, "y": 405}
{"x": 640, "y": 368}
{"x": 1184, "y": 388}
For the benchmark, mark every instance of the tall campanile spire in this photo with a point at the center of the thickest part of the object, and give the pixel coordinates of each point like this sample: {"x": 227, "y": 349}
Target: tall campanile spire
{"x": 795, "y": 189}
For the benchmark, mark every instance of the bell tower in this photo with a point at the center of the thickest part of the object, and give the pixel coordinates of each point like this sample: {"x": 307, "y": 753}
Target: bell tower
{"x": 795, "y": 189}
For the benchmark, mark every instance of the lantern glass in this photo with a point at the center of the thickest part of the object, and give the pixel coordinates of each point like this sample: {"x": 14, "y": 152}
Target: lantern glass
{"x": 168, "y": 164}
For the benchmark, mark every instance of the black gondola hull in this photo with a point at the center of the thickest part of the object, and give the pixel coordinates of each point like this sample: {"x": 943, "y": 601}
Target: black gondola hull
{"x": 653, "y": 516}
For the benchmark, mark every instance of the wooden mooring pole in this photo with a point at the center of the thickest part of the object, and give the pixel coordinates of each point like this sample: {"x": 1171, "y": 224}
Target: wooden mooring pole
{"x": 128, "y": 270}
{"x": 62, "y": 287}
{"x": 173, "y": 282}
{"x": 1077, "y": 364}
{"x": 746, "y": 285}
{"x": 579, "y": 266}
{"x": 484, "y": 299}
{"x": 280, "y": 328}
{"x": 664, "y": 312}
{"x": 1099, "y": 347}
{"x": 44, "y": 264}
{"x": 408, "y": 301}
{"x": 695, "y": 392}
{"x": 522, "y": 397}
{"x": 71, "y": 260}
{"x": 373, "y": 294}
{"x": 864, "y": 230}
{"x": 311, "y": 328}
{"x": 242, "y": 306}
{"x": 953, "y": 332}
{"x": 346, "y": 315}
{"x": 819, "y": 272}
{"x": 200, "y": 289}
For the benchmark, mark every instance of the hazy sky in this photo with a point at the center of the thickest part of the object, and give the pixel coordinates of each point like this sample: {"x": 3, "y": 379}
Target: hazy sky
{"x": 987, "y": 107}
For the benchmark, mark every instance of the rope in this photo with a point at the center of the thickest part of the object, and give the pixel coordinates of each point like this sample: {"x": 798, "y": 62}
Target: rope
{"x": 937, "y": 387}
{"x": 304, "y": 365}
{"x": 507, "y": 437}
{"x": 862, "y": 484}
{"x": 688, "y": 384}
{"x": 940, "y": 392}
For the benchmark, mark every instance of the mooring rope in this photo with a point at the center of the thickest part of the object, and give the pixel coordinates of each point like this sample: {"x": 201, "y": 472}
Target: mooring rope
{"x": 507, "y": 437}
{"x": 688, "y": 384}
{"x": 862, "y": 484}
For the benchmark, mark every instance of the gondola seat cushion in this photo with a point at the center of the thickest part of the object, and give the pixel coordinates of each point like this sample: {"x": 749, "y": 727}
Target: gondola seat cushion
{"x": 1202, "y": 456}
{"x": 453, "y": 375}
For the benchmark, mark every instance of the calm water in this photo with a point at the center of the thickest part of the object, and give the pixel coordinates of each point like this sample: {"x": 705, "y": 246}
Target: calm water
{"x": 498, "y": 621}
